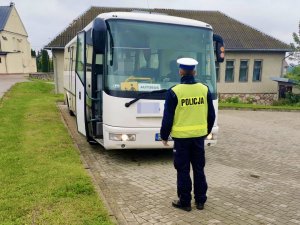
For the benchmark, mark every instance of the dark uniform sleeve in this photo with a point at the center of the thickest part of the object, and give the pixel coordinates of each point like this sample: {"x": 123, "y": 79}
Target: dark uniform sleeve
{"x": 168, "y": 117}
{"x": 211, "y": 115}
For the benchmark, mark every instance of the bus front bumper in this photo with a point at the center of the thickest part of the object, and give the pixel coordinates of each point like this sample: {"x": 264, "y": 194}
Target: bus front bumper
{"x": 139, "y": 138}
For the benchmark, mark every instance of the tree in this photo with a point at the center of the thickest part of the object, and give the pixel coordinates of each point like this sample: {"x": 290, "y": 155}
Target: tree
{"x": 38, "y": 61}
{"x": 42, "y": 61}
{"x": 45, "y": 61}
{"x": 51, "y": 69}
{"x": 295, "y": 75}
{"x": 295, "y": 55}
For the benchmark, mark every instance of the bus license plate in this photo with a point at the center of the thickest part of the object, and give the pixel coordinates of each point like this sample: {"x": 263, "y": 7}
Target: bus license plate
{"x": 158, "y": 138}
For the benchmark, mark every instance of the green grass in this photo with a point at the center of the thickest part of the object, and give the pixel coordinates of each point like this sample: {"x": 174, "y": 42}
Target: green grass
{"x": 257, "y": 107}
{"x": 42, "y": 180}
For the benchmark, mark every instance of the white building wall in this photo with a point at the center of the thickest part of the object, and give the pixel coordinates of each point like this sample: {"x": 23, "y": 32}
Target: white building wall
{"x": 14, "y": 63}
{"x": 3, "y": 64}
{"x": 58, "y": 63}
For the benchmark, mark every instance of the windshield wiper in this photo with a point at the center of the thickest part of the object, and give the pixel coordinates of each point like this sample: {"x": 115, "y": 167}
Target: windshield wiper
{"x": 127, "y": 104}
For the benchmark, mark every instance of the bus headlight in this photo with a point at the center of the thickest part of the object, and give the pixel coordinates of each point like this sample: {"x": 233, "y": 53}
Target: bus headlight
{"x": 209, "y": 137}
{"x": 122, "y": 137}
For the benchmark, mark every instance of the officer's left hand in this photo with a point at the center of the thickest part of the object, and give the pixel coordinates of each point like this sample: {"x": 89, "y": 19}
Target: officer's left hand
{"x": 165, "y": 143}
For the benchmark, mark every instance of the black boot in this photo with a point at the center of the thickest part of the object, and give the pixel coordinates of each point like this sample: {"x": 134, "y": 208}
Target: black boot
{"x": 177, "y": 204}
{"x": 199, "y": 206}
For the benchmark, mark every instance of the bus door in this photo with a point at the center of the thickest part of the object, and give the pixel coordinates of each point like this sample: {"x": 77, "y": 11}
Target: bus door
{"x": 94, "y": 87}
{"x": 80, "y": 81}
{"x": 97, "y": 39}
{"x": 99, "y": 79}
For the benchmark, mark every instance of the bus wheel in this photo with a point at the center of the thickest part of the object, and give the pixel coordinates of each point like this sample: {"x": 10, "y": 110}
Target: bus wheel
{"x": 71, "y": 113}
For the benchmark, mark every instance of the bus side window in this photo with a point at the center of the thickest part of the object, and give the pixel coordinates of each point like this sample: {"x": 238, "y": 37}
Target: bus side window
{"x": 99, "y": 64}
{"x": 73, "y": 58}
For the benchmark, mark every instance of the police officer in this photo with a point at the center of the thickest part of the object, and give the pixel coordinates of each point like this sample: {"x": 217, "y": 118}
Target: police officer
{"x": 189, "y": 116}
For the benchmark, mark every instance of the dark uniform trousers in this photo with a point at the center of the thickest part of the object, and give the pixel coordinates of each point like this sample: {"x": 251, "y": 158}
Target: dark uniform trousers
{"x": 190, "y": 151}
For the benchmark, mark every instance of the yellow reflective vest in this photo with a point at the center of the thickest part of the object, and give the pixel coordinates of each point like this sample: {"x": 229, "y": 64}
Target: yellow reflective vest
{"x": 190, "y": 119}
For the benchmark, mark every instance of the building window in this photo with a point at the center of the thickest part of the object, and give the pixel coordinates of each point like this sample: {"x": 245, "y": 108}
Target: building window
{"x": 218, "y": 71}
{"x": 257, "y": 70}
{"x": 243, "y": 71}
{"x": 229, "y": 73}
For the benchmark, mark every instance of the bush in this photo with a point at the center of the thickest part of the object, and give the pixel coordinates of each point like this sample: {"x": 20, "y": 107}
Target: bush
{"x": 280, "y": 102}
{"x": 234, "y": 99}
{"x": 290, "y": 99}
{"x": 250, "y": 100}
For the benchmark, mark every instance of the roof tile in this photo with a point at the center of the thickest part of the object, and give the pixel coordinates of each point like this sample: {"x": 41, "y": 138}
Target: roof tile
{"x": 4, "y": 14}
{"x": 236, "y": 35}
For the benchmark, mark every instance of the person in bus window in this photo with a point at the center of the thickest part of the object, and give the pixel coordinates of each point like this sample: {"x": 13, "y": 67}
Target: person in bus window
{"x": 147, "y": 71}
{"x": 172, "y": 76}
{"x": 188, "y": 116}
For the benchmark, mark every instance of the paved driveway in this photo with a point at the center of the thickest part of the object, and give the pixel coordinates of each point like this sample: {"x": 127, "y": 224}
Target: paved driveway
{"x": 6, "y": 81}
{"x": 253, "y": 174}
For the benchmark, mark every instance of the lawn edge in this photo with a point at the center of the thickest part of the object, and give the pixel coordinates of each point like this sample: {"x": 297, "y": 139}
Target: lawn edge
{"x": 115, "y": 217}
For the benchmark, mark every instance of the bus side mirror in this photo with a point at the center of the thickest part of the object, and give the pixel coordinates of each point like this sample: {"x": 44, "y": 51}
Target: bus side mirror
{"x": 99, "y": 32}
{"x": 219, "y": 48}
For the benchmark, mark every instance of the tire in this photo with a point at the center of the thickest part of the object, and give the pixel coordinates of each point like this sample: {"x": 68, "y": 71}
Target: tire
{"x": 71, "y": 113}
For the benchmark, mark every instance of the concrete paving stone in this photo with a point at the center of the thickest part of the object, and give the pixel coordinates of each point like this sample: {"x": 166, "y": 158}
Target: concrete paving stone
{"x": 156, "y": 215}
{"x": 153, "y": 221}
{"x": 295, "y": 221}
{"x": 189, "y": 219}
{"x": 131, "y": 220}
{"x": 214, "y": 221}
{"x": 144, "y": 213}
{"x": 170, "y": 223}
{"x": 197, "y": 223}
{"x": 164, "y": 219}
{"x": 147, "y": 218}
{"x": 140, "y": 220}
{"x": 128, "y": 216}
{"x": 251, "y": 222}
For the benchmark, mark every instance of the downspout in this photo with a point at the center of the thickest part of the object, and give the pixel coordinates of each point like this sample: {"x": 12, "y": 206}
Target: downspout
{"x": 6, "y": 64}
{"x": 55, "y": 71}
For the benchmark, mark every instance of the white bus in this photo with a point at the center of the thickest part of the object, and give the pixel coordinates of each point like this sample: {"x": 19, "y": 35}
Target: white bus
{"x": 118, "y": 68}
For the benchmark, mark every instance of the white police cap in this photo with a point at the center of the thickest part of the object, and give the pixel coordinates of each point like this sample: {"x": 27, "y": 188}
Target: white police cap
{"x": 187, "y": 63}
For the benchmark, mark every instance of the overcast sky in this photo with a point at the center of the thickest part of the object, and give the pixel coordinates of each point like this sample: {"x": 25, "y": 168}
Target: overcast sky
{"x": 44, "y": 20}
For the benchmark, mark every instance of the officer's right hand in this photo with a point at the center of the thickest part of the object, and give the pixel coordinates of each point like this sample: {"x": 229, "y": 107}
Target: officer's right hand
{"x": 165, "y": 143}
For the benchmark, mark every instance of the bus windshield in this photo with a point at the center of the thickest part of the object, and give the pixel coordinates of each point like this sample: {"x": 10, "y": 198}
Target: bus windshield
{"x": 141, "y": 56}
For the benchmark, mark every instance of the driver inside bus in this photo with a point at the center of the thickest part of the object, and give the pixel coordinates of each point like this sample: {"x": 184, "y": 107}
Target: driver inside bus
{"x": 172, "y": 76}
{"x": 147, "y": 71}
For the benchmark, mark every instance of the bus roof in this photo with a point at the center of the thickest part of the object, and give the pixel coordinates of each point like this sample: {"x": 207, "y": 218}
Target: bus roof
{"x": 146, "y": 16}
{"x": 153, "y": 17}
